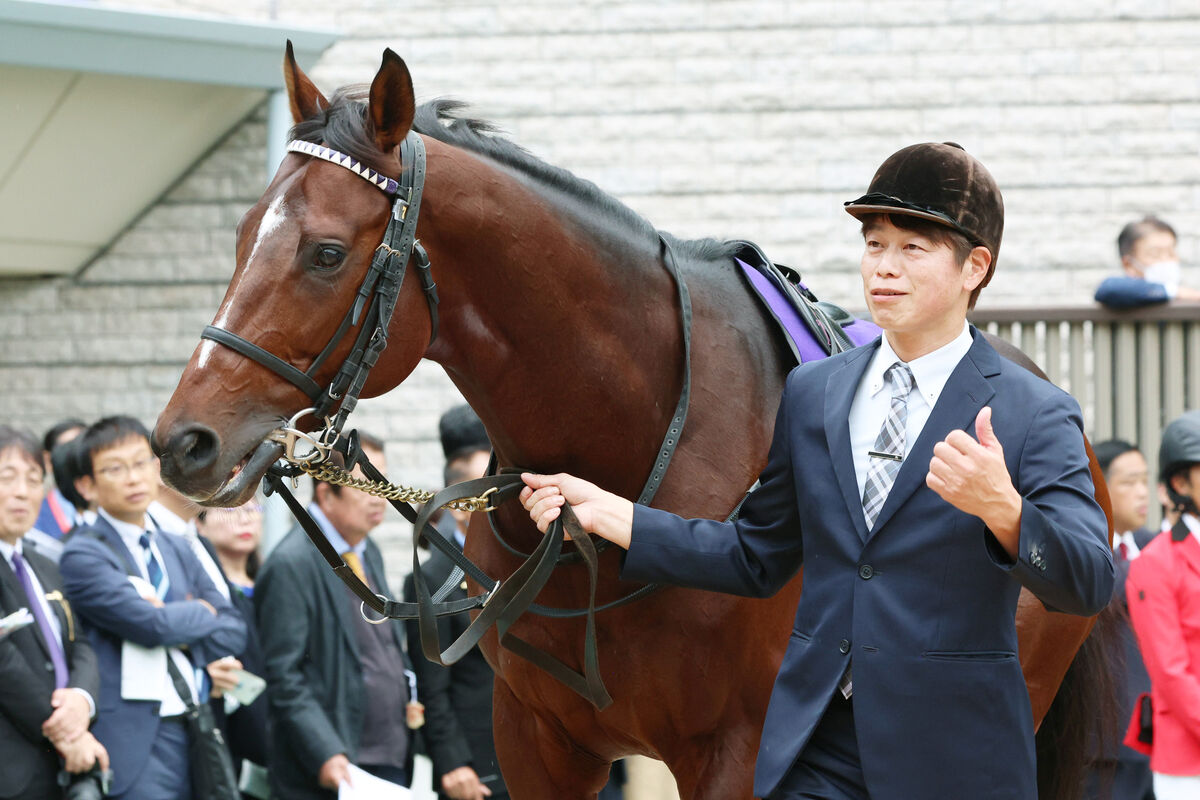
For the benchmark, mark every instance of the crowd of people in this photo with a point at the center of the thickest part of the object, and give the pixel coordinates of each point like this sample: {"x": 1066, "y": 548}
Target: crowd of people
{"x": 126, "y": 607}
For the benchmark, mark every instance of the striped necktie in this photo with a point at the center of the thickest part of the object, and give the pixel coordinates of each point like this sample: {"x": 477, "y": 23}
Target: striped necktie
{"x": 888, "y": 454}
{"x": 154, "y": 571}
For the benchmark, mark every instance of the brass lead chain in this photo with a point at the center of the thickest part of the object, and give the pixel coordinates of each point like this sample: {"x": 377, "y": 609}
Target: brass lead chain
{"x": 330, "y": 473}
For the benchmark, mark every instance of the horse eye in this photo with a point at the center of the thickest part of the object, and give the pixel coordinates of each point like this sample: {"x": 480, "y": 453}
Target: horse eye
{"x": 328, "y": 257}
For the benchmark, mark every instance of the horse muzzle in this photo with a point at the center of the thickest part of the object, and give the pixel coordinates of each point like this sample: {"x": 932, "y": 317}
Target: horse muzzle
{"x": 191, "y": 462}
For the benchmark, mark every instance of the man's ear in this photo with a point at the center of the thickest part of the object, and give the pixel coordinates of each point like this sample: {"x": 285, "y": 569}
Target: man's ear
{"x": 86, "y": 486}
{"x": 1130, "y": 269}
{"x": 976, "y": 267}
{"x": 1182, "y": 484}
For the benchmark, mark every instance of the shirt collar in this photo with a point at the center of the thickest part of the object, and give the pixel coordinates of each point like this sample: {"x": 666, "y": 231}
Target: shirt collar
{"x": 930, "y": 371}
{"x": 1193, "y": 525}
{"x": 331, "y": 533}
{"x": 7, "y": 549}
{"x": 131, "y": 535}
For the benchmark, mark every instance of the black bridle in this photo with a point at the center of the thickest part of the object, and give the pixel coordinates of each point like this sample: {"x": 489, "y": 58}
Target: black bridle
{"x": 376, "y": 298}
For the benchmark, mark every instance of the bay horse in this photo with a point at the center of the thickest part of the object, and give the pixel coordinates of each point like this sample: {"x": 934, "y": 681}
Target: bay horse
{"x": 559, "y": 325}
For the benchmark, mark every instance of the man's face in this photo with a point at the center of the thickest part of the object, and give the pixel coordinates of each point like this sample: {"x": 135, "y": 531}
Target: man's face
{"x": 914, "y": 286}
{"x": 1154, "y": 247}
{"x": 354, "y": 513}
{"x": 468, "y": 468}
{"x": 1129, "y": 490}
{"x": 21, "y": 493}
{"x": 124, "y": 480}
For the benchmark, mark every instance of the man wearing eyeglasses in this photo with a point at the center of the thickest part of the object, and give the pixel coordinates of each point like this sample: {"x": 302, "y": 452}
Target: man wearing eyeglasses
{"x": 148, "y": 603}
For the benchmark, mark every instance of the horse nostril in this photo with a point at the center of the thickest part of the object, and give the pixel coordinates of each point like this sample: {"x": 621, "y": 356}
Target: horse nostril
{"x": 195, "y": 448}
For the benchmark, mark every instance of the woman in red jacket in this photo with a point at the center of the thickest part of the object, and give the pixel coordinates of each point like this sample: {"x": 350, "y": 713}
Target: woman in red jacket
{"x": 1163, "y": 589}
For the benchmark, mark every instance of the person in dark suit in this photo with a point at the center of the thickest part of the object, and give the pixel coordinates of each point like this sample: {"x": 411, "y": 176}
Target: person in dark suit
{"x": 901, "y": 677}
{"x": 336, "y": 688}
{"x": 458, "y": 698}
{"x": 1123, "y": 773}
{"x": 145, "y": 600}
{"x": 48, "y": 676}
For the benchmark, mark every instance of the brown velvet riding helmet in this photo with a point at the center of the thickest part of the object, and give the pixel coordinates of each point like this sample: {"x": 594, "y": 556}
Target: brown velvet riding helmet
{"x": 942, "y": 183}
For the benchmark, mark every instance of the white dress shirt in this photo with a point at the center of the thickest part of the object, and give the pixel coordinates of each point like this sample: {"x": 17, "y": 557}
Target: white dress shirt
{"x": 167, "y": 520}
{"x": 1132, "y": 550}
{"x": 335, "y": 539}
{"x": 131, "y": 535}
{"x": 871, "y": 402}
{"x": 7, "y": 551}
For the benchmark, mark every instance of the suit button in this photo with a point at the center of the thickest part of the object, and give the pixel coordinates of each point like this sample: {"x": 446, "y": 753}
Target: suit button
{"x": 865, "y": 572}
{"x": 844, "y": 645}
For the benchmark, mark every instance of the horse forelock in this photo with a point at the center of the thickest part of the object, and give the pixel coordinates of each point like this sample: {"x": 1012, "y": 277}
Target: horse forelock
{"x": 343, "y": 126}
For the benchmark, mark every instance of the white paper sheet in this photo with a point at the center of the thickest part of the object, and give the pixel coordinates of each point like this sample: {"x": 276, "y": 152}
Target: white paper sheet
{"x": 143, "y": 669}
{"x": 368, "y": 787}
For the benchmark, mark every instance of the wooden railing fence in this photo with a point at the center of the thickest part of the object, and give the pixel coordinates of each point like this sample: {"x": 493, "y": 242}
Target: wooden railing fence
{"x": 1131, "y": 371}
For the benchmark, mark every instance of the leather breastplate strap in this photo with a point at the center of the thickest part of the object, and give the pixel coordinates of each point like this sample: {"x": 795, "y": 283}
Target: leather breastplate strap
{"x": 501, "y": 606}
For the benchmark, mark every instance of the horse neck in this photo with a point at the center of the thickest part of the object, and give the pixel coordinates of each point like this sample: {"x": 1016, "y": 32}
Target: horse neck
{"x": 565, "y": 339}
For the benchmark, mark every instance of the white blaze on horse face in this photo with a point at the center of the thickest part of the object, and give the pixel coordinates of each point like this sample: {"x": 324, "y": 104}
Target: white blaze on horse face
{"x": 272, "y": 218}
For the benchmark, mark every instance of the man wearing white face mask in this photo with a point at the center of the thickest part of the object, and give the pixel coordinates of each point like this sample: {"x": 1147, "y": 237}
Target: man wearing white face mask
{"x": 1151, "y": 267}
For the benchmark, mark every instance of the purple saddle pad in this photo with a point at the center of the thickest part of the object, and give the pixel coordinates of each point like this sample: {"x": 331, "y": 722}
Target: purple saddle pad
{"x": 793, "y": 325}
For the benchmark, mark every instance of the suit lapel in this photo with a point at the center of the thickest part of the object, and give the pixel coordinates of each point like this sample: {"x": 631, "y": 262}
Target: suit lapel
{"x": 839, "y": 394}
{"x": 17, "y": 599}
{"x": 337, "y": 595}
{"x": 178, "y": 587}
{"x": 965, "y": 393}
{"x": 117, "y": 544}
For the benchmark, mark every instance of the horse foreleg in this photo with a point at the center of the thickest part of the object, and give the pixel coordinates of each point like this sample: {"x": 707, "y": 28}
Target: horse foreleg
{"x": 720, "y": 769}
{"x": 536, "y": 758}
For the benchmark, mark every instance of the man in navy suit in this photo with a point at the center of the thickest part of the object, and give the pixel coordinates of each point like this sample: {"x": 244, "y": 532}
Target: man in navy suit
{"x": 48, "y": 677}
{"x": 901, "y": 678}
{"x": 145, "y": 599}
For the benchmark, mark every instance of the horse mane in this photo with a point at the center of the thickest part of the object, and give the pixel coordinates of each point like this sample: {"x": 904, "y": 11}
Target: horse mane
{"x": 343, "y": 127}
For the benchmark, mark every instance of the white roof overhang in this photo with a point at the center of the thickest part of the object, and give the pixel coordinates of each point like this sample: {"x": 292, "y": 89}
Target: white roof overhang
{"x": 104, "y": 109}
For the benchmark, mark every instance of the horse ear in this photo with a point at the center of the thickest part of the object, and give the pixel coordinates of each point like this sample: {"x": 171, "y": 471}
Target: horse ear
{"x": 305, "y": 98}
{"x": 392, "y": 106}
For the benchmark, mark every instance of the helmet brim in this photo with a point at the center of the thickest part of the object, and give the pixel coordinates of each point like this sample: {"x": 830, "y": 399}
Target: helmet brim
{"x": 876, "y": 203}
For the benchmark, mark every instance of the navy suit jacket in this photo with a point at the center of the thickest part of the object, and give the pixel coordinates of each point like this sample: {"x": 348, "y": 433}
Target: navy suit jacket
{"x": 95, "y": 568}
{"x": 925, "y": 601}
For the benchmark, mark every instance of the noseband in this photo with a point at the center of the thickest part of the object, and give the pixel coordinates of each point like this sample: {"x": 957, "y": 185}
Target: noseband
{"x": 377, "y": 294}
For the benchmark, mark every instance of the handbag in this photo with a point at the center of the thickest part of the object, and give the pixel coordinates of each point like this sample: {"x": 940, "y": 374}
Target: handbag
{"x": 211, "y": 762}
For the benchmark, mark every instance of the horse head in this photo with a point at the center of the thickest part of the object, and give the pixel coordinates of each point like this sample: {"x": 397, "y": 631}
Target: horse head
{"x": 292, "y": 312}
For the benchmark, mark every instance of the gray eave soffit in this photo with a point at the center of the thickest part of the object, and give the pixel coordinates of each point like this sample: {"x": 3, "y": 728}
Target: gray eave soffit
{"x": 86, "y": 38}
{"x": 162, "y": 87}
